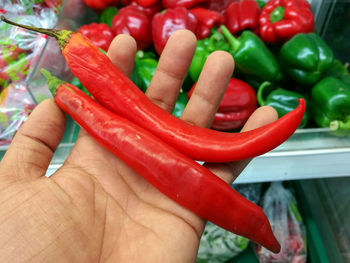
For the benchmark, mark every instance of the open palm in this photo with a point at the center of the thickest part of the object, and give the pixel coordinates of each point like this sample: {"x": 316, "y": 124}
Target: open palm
{"x": 95, "y": 208}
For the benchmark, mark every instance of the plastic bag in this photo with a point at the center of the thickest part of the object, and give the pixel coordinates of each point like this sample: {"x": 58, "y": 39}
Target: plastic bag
{"x": 20, "y": 51}
{"x": 218, "y": 245}
{"x": 280, "y": 206}
{"x": 15, "y": 106}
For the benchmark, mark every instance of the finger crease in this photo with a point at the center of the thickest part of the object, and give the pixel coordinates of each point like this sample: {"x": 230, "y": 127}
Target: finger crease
{"x": 36, "y": 139}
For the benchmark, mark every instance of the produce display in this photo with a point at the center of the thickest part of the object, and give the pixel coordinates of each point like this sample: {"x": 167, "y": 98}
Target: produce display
{"x": 268, "y": 42}
{"x": 271, "y": 41}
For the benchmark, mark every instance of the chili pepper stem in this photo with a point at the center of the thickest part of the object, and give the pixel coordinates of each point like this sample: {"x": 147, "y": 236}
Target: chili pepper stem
{"x": 259, "y": 95}
{"x": 62, "y": 36}
{"x": 52, "y": 81}
{"x": 234, "y": 42}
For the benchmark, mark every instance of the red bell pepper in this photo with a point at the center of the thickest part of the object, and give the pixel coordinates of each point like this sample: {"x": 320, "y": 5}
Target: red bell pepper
{"x": 150, "y": 11}
{"x": 218, "y": 5}
{"x": 206, "y": 20}
{"x": 182, "y": 3}
{"x": 99, "y": 34}
{"x": 146, "y": 3}
{"x": 280, "y": 20}
{"x": 164, "y": 24}
{"x": 238, "y": 103}
{"x": 100, "y": 5}
{"x": 134, "y": 22}
{"x": 242, "y": 15}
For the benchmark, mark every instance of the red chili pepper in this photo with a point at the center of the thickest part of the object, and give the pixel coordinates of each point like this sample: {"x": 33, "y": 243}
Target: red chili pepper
{"x": 101, "y": 35}
{"x": 172, "y": 173}
{"x": 100, "y": 5}
{"x": 206, "y": 20}
{"x": 280, "y": 20}
{"x": 242, "y": 15}
{"x": 119, "y": 94}
{"x": 238, "y": 103}
{"x": 182, "y": 3}
{"x": 146, "y": 3}
{"x": 134, "y": 22}
{"x": 164, "y": 24}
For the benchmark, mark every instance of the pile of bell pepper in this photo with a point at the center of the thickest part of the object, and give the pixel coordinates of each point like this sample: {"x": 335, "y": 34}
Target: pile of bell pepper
{"x": 278, "y": 55}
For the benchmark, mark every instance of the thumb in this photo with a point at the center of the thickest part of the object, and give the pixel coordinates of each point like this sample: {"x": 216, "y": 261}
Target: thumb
{"x": 32, "y": 148}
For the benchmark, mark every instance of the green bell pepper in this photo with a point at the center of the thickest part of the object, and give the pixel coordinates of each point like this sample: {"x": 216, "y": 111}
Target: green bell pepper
{"x": 180, "y": 104}
{"x": 252, "y": 57}
{"x": 76, "y": 82}
{"x": 282, "y": 100}
{"x": 107, "y": 15}
{"x": 204, "y": 48}
{"x": 305, "y": 57}
{"x": 261, "y": 3}
{"x": 330, "y": 100}
{"x": 144, "y": 68}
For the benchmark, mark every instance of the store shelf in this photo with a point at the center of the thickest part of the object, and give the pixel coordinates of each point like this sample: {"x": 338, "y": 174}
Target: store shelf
{"x": 307, "y": 154}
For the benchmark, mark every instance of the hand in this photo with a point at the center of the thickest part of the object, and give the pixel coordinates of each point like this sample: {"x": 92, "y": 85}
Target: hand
{"x": 95, "y": 208}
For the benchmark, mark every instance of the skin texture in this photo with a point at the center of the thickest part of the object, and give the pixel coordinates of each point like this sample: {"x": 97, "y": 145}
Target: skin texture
{"x": 95, "y": 208}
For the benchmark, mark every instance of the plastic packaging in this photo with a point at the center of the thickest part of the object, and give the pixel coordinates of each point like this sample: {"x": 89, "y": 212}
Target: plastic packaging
{"x": 218, "y": 245}
{"x": 280, "y": 206}
{"x": 15, "y": 106}
{"x": 20, "y": 51}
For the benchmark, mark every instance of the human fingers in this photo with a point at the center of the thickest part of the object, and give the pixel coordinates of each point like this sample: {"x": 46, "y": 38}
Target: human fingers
{"x": 33, "y": 146}
{"x": 209, "y": 90}
{"x": 122, "y": 53}
{"x": 172, "y": 69}
{"x": 230, "y": 171}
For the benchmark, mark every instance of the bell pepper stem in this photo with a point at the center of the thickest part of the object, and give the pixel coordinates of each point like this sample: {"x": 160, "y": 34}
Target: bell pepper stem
{"x": 340, "y": 125}
{"x": 234, "y": 42}
{"x": 62, "y": 36}
{"x": 277, "y": 14}
{"x": 260, "y": 93}
{"x": 52, "y": 81}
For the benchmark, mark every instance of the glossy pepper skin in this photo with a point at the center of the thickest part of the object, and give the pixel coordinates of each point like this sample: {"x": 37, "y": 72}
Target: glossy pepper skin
{"x": 146, "y": 3}
{"x": 119, "y": 94}
{"x": 164, "y": 24}
{"x": 172, "y": 173}
{"x": 242, "y": 15}
{"x": 330, "y": 100}
{"x": 182, "y": 3}
{"x": 252, "y": 57}
{"x": 204, "y": 48}
{"x": 150, "y": 11}
{"x": 144, "y": 67}
{"x": 207, "y": 19}
{"x": 180, "y": 105}
{"x": 132, "y": 21}
{"x": 238, "y": 103}
{"x": 282, "y": 100}
{"x": 100, "y": 5}
{"x": 305, "y": 58}
{"x": 99, "y": 34}
{"x": 280, "y": 20}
